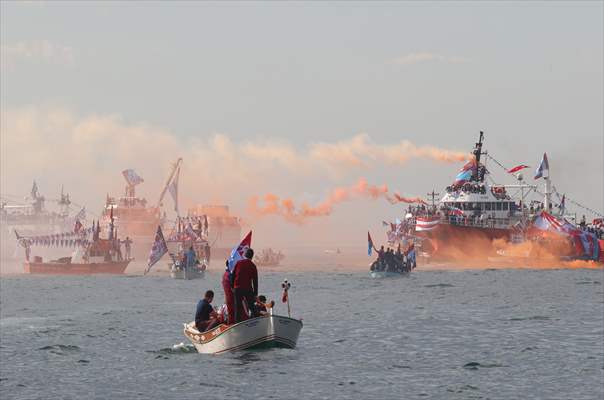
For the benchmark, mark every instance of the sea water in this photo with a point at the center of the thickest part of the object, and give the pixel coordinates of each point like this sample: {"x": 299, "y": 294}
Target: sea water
{"x": 463, "y": 334}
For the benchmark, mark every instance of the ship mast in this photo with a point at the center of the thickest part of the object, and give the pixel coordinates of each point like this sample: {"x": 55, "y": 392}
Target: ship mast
{"x": 175, "y": 167}
{"x": 479, "y": 171}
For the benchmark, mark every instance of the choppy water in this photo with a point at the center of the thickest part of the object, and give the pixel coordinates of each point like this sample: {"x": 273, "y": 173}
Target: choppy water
{"x": 497, "y": 334}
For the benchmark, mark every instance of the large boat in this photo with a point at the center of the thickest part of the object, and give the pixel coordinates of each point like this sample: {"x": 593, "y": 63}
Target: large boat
{"x": 472, "y": 213}
{"x": 31, "y": 217}
{"x": 223, "y": 228}
{"x": 134, "y": 217}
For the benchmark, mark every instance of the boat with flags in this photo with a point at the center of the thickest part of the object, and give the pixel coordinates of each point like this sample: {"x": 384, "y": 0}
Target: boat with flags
{"x": 30, "y": 217}
{"x": 475, "y": 211}
{"x": 260, "y": 330}
{"x": 91, "y": 254}
{"x": 269, "y": 258}
{"x": 391, "y": 263}
{"x": 133, "y": 215}
{"x": 188, "y": 248}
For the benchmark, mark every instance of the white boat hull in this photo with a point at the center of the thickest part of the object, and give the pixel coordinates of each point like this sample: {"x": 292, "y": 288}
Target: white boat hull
{"x": 187, "y": 274}
{"x": 267, "y": 331}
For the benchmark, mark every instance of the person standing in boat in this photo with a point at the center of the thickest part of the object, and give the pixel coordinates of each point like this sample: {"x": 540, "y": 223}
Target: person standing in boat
{"x": 228, "y": 295}
{"x": 190, "y": 258}
{"x": 128, "y": 247}
{"x": 244, "y": 281}
{"x": 205, "y": 316}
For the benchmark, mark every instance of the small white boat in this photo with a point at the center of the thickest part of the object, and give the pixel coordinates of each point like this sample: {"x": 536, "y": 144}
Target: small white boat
{"x": 260, "y": 332}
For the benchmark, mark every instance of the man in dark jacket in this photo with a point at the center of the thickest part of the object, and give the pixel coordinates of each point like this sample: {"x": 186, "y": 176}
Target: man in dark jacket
{"x": 205, "y": 316}
{"x": 244, "y": 281}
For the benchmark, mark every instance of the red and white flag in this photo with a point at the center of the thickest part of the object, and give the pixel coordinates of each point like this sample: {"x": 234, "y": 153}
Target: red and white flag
{"x": 426, "y": 224}
{"x": 517, "y": 168}
{"x": 239, "y": 252}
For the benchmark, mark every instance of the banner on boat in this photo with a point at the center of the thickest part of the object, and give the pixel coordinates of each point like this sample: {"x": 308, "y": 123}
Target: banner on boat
{"x": 158, "y": 249}
{"x": 426, "y": 224}
{"x": 466, "y": 172}
{"x": 586, "y": 243}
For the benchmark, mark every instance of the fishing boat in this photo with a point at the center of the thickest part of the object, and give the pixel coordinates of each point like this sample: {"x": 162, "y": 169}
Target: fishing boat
{"x": 223, "y": 229}
{"x": 91, "y": 255}
{"x": 188, "y": 233}
{"x": 269, "y": 258}
{"x": 133, "y": 215}
{"x": 392, "y": 264}
{"x": 30, "y": 217}
{"x": 260, "y": 332}
{"x": 473, "y": 213}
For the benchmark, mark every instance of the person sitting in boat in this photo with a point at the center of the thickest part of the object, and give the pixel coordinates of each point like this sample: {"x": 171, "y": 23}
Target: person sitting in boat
{"x": 244, "y": 281}
{"x": 205, "y": 316}
{"x": 262, "y": 306}
{"x": 223, "y": 314}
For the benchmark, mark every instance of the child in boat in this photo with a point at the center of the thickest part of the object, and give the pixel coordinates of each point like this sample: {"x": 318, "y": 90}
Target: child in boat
{"x": 262, "y": 306}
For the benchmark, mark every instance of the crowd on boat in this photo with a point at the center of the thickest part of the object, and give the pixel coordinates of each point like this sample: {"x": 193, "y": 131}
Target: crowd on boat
{"x": 398, "y": 261}
{"x": 242, "y": 300}
{"x": 596, "y": 227}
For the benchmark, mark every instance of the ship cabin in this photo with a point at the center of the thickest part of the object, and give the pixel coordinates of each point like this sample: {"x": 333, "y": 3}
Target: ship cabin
{"x": 479, "y": 204}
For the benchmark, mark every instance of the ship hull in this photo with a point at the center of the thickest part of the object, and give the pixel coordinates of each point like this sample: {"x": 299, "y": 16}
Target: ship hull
{"x": 115, "y": 268}
{"x": 461, "y": 241}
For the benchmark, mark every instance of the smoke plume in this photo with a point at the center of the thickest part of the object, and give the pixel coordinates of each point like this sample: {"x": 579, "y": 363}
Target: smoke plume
{"x": 271, "y": 204}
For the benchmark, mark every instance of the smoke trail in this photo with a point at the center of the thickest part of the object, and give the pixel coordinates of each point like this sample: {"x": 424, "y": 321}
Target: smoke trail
{"x": 286, "y": 208}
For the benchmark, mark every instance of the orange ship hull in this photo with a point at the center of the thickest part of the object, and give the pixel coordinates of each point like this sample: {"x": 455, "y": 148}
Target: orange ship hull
{"x": 115, "y": 268}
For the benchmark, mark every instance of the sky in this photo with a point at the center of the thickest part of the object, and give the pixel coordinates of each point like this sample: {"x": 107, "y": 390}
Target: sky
{"x": 296, "y": 99}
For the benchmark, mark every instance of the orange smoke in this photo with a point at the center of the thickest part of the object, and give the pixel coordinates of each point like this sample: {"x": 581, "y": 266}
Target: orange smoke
{"x": 286, "y": 208}
{"x": 397, "y": 198}
{"x": 499, "y": 253}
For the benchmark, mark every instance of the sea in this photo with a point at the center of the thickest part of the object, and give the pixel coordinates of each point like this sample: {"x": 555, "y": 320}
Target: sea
{"x": 437, "y": 333}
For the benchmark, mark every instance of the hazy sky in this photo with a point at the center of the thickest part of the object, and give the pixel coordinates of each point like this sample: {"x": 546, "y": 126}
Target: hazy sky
{"x": 88, "y": 89}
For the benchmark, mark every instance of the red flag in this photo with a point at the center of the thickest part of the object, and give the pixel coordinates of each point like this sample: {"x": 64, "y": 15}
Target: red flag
{"x": 238, "y": 252}
{"x": 517, "y": 168}
{"x": 284, "y": 296}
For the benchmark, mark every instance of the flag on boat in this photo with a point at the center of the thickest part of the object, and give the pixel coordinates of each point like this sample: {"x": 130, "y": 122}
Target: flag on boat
{"x": 426, "y": 224}
{"x": 158, "y": 249}
{"x": 81, "y": 215}
{"x": 562, "y": 204}
{"x": 239, "y": 252}
{"x": 132, "y": 177}
{"x": 77, "y": 226}
{"x": 543, "y": 169}
{"x": 517, "y": 168}
{"x": 369, "y": 244}
{"x": 173, "y": 189}
{"x": 191, "y": 232}
{"x": 466, "y": 172}
{"x": 586, "y": 243}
